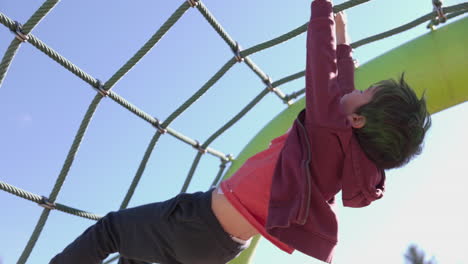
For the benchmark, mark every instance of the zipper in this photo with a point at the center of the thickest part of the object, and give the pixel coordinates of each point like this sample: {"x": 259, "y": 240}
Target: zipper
{"x": 304, "y": 212}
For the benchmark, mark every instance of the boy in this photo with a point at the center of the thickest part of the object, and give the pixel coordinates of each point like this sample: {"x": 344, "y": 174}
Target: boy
{"x": 343, "y": 140}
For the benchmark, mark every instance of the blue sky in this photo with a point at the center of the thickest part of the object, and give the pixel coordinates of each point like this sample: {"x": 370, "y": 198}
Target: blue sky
{"x": 42, "y": 105}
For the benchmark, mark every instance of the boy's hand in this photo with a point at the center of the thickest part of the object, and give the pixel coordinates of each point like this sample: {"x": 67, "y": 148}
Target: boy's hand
{"x": 340, "y": 28}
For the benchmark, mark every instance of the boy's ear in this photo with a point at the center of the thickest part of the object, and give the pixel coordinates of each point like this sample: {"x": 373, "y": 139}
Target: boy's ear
{"x": 356, "y": 121}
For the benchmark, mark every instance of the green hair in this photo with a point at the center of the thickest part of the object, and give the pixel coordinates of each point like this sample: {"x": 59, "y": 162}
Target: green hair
{"x": 396, "y": 123}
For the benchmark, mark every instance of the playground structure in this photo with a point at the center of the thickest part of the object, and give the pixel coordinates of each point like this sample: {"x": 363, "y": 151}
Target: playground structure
{"x": 444, "y": 86}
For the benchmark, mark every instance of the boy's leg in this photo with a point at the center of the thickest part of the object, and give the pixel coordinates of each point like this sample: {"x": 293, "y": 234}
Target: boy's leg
{"x": 181, "y": 230}
{"x": 134, "y": 233}
{"x": 198, "y": 236}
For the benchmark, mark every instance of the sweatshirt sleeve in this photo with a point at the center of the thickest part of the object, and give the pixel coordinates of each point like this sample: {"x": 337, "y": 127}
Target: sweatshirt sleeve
{"x": 362, "y": 181}
{"x": 321, "y": 65}
{"x": 345, "y": 68}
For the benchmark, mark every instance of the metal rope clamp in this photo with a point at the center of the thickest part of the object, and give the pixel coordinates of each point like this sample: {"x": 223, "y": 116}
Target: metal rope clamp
{"x": 158, "y": 126}
{"x": 19, "y": 32}
{"x": 46, "y": 203}
{"x": 229, "y": 158}
{"x": 237, "y": 52}
{"x": 193, "y": 3}
{"x": 269, "y": 85}
{"x": 356, "y": 63}
{"x": 100, "y": 88}
{"x": 199, "y": 147}
{"x": 440, "y": 12}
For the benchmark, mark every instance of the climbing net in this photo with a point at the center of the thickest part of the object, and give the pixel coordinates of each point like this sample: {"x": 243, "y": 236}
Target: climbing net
{"x": 104, "y": 90}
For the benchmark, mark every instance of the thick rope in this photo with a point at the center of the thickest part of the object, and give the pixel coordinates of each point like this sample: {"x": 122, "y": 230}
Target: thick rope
{"x": 297, "y": 31}
{"x": 26, "y": 29}
{"x": 457, "y": 10}
{"x": 460, "y": 7}
{"x": 19, "y": 192}
{"x": 216, "y": 25}
{"x": 234, "y": 120}
{"x": 231, "y": 122}
{"x": 225, "y": 127}
{"x": 62, "y": 60}
{"x": 200, "y": 92}
{"x": 38, "y": 199}
{"x": 264, "y": 78}
{"x": 449, "y": 16}
{"x": 148, "y": 45}
{"x": 93, "y": 82}
{"x": 34, "y": 236}
{"x": 141, "y": 169}
{"x": 114, "y": 96}
{"x": 233, "y": 45}
{"x": 43, "y": 10}
{"x": 168, "y": 121}
{"x": 188, "y": 179}
{"x": 60, "y": 179}
{"x": 296, "y": 94}
{"x": 8, "y": 58}
{"x": 216, "y": 180}
{"x": 457, "y": 13}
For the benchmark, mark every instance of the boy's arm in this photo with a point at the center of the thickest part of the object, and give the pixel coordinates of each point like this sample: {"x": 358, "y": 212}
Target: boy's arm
{"x": 321, "y": 67}
{"x": 345, "y": 68}
{"x": 343, "y": 53}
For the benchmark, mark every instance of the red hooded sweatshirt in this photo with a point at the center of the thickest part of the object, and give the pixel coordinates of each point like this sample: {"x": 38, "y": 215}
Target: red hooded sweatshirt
{"x": 287, "y": 191}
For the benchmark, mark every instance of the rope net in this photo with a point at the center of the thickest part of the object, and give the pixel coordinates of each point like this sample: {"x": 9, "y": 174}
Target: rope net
{"x": 104, "y": 90}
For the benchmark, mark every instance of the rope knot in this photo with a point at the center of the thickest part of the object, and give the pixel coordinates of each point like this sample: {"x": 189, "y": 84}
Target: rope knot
{"x": 46, "y": 203}
{"x": 199, "y": 147}
{"x": 269, "y": 84}
{"x": 193, "y": 3}
{"x": 99, "y": 87}
{"x": 441, "y": 18}
{"x": 237, "y": 52}
{"x": 19, "y": 32}
{"x": 157, "y": 124}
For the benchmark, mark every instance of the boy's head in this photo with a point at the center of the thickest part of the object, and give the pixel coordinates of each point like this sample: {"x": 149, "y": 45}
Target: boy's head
{"x": 389, "y": 121}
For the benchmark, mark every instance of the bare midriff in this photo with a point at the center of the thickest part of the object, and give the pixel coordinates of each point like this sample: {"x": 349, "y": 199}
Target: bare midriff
{"x": 229, "y": 218}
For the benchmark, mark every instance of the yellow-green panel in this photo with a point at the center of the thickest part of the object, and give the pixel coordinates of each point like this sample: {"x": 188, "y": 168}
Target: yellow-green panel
{"x": 436, "y": 62}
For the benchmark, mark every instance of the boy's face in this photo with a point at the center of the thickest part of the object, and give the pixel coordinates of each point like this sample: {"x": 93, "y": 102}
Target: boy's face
{"x": 350, "y": 102}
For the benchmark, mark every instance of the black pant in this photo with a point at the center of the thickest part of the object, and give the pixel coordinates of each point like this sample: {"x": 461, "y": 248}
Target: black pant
{"x": 178, "y": 231}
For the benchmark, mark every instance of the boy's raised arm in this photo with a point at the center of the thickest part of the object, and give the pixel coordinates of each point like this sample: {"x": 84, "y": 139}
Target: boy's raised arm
{"x": 321, "y": 67}
{"x": 343, "y": 54}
